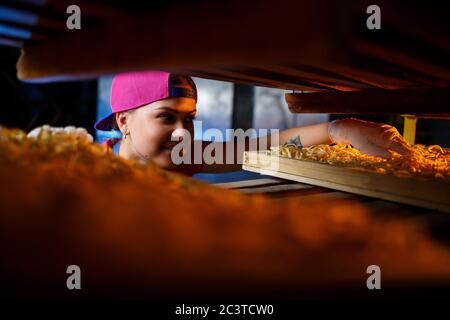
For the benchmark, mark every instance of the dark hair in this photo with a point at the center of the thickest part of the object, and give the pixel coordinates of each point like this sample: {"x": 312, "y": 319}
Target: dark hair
{"x": 114, "y": 124}
{"x": 177, "y": 79}
{"x": 174, "y": 80}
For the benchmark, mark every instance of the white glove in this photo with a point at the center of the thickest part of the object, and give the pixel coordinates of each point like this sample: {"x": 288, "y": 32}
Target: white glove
{"x": 79, "y": 133}
{"x": 372, "y": 138}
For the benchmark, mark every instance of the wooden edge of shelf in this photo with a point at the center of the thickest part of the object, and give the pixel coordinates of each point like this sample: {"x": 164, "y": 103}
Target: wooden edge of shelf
{"x": 430, "y": 200}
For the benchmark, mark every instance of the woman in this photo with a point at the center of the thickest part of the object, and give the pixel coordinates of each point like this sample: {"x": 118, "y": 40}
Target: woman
{"x": 155, "y": 111}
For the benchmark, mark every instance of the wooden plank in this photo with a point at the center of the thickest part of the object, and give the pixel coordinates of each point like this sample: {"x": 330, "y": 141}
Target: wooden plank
{"x": 284, "y": 80}
{"x": 402, "y": 59}
{"x": 229, "y": 35}
{"x": 288, "y": 194}
{"x": 234, "y": 42}
{"x": 431, "y": 194}
{"x": 416, "y": 18}
{"x": 277, "y": 188}
{"x": 370, "y": 77}
{"x": 268, "y": 79}
{"x": 382, "y": 66}
{"x": 218, "y": 74}
{"x": 330, "y": 196}
{"x": 434, "y": 101}
{"x": 315, "y": 75}
{"x": 250, "y": 183}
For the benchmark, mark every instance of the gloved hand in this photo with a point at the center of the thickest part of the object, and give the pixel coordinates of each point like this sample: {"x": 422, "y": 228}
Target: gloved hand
{"x": 79, "y": 133}
{"x": 372, "y": 138}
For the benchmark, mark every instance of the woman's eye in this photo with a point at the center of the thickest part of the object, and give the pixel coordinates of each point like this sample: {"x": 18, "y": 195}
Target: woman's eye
{"x": 167, "y": 117}
{"x": 189, "y": 119}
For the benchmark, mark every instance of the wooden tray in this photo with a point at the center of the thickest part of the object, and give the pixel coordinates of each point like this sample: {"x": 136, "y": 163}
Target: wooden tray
{"x": 427, "y": 193}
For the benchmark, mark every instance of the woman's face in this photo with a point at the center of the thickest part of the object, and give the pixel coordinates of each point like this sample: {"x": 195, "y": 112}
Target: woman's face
{"x": 152, "y": 129}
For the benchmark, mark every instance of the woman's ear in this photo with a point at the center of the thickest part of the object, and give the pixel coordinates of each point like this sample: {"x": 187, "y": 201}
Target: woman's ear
{"x": 122, "y": 121}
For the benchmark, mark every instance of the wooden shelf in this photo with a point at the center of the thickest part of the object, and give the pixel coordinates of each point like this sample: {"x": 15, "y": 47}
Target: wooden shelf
{"x": 432, "y": 102}
{"x": 431, "y": 194}
{"x": 307, "y": 46}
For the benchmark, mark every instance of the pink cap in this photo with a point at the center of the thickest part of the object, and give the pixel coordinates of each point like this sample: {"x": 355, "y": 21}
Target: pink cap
{"x": 132, "y": 90}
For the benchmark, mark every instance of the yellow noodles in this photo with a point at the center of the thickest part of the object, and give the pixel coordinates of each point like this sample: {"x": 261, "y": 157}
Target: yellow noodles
{"x": 425, "y": 161}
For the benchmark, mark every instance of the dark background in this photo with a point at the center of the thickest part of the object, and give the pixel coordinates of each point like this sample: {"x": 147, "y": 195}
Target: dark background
{"x": 28, "y": 105}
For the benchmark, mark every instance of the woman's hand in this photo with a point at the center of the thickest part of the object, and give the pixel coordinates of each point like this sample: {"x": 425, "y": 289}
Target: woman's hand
{"x": 374, "y": 139}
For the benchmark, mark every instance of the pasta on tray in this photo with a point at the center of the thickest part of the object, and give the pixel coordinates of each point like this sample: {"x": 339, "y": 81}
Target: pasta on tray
{"x": 424, "y": 161}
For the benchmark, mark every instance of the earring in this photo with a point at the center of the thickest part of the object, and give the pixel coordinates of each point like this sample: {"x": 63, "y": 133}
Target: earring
{"x": 125, "y": 135}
